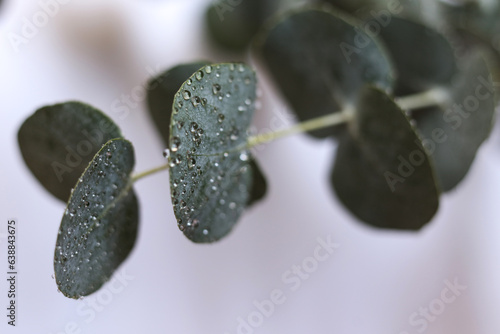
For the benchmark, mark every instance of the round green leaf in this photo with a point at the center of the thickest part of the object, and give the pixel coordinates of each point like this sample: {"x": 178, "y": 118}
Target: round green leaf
{"x": 477, "y": 17}
{"x": 99, "y": 227}
{"x": 57, "y": 143}
{"x": 382, "y": 174}
{"x": 161, "y": 91}
{"x": 380, "y": 10}
{"x": 423, "y": 57}
{"x": 212, "y": 177}
{"x": 232, "y": 24}
{"x": 320, "y": 59}
{"x": 455, "y": 133}
{"x": 259, "y": 185}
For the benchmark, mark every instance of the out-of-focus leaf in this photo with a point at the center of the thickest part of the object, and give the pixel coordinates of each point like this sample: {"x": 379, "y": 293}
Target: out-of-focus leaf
{"x": 161, "y": 91}
{"x": 422, "y": 56}
{"x": 381, "y": 173}
{"x": 57, "y": 143}
{"x": 455, "y": 133}
{"x": 320, "y": 59}
{"x": 232, "y": 24}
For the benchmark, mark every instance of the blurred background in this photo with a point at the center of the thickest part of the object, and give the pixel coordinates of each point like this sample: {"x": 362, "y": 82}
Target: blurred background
{"x": 100, "y": 52}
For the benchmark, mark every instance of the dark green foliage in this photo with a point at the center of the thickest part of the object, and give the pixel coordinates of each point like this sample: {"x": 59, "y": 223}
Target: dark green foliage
{"x": 57, "y": 143}
{"x": 211, "y": 171}
{"x": 161, "y": 91}
{"x": 320, "y": 60}
{"x": 232, "y": 24}
{"x": 462, "y": 124}
{"x": 99, "y": 227}
{"x": 381, "y": 173}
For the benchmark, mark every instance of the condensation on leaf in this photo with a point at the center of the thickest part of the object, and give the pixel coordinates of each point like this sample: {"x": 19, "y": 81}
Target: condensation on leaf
{"x": 213, "y": 178}
{"x": 99, "y": 226}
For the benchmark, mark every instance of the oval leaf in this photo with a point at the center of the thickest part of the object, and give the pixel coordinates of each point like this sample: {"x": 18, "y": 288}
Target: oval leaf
{"x": 232, "y": 24}
{"x": 57, "y": 143}
{"x": 320, "y": 61}
{"x": 212, "y": 175}
{"x": 454, "y": 134}
{"x": 161, "y": 91}
{"x": 477, "y": 17}
{"x": 381, "y": 173}
{"x": 99, "y": 227}
{"x": 423, "y": 57}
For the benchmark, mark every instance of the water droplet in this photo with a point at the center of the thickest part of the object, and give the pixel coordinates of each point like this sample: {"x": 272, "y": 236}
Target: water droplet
{"x": 216, "y": 89}
{"x": 242, "y": 108}
{"x": 199, "y": 75}
{"x": 186, "y": 95}
{"x": 194, "y": 127}
{"x": 189, "y": 82}
{"x": 166, "y": 153}
{"x": 180, "y": 124}
{"x": 195, "y": 101}
{"x": 232, "y": 205}
{"x": 205, "y": 231}
{"x": 244, "y": 156}
{"x": 241, "y": 68}
{"x": 191, "y": 163}
{"x": 221, "y": 118}
{"x": 176, "y": 143}
{"x": 208, "y": 69}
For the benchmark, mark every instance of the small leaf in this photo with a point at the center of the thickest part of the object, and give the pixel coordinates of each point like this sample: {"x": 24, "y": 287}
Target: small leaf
{"x": 212, "y": 174}
{"x": 454, "y": 135}
{"x": 423, "y": 57}
{"x": 57, "y": 143}
{"x": 99, "y": 227}
{"x": 381, "y": 173}
{"x": 232, "y": 24}
{"x": 259, "y": 186}
{"x": 382, "y": 10}
{"x": 320, "y": 60}
{"x": 479, "y": 18}
{"x": 161, "y": 91}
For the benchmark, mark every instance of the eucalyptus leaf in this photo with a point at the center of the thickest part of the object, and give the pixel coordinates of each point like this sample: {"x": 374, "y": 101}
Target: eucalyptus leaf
{"x": 380, "y": 10}
{"x": 259, "y": 185}
{"x": 232, "y": 24}
{"x": 99, "y": 227}
{"x": 455, "y": 133}
{"x": 381, "y": 173}
{"x": 211, "y": 171}
{"x": 320, "y": 59}
{"x": 57, "y": 143}
{"x": 477, "y": 17}
{"x": 161, "y": 91}
{"x": 423, "y": 57}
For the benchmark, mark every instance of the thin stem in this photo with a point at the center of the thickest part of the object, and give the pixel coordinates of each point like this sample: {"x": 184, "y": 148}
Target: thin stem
{"x": 311, "y": 125}
{"x": 149, "y": 172}
{"x": 428, "y": 98}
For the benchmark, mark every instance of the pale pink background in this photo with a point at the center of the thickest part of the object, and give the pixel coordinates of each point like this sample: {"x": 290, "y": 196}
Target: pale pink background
{"x": 371, "y": 284}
